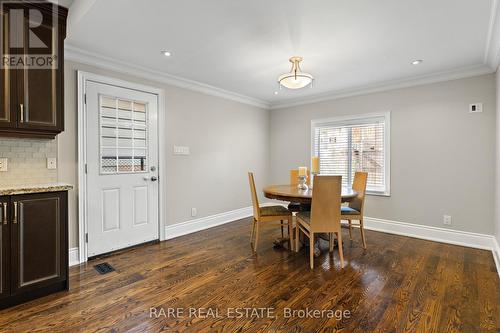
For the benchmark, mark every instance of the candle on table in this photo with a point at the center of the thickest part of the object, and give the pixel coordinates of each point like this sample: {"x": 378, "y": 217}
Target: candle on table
{"x": 302, "y": 171}
{"x": 315, "y": 164}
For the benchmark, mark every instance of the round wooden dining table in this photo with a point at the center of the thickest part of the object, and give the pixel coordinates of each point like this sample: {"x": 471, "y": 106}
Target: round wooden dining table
{"x": 291, "y": 193}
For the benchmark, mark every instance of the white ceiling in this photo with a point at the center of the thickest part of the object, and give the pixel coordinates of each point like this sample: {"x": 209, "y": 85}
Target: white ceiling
{"x": 243, "y": 46}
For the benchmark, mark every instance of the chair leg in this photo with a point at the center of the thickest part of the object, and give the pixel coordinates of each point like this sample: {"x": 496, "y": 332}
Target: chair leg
{"x": 311, "y": 250}
{"x": 253, "y": 233}
{"x": 282, "y": 234}
{"x": 362, "y": 228}
{"x": 297, "y": 232}
{"x": 256, "y": 236}
{"x": 341, "y": 250}
{"x": 290, "y": 234}
{"x": 350, "y": 229}
{"x": 331, "y": 241}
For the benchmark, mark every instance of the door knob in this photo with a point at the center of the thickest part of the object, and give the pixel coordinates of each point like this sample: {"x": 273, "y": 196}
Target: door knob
{"x": 154, "y": 178}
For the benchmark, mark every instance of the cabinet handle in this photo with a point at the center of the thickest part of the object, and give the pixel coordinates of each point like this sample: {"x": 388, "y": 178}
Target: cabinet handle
{"x": 5, "y": 213}
{"x": 15, "y": 213}
{"x": 22, "y": 112}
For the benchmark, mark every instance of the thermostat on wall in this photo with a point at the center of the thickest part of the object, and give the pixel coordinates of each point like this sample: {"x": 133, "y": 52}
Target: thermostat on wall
{"x": 476, "y": 107}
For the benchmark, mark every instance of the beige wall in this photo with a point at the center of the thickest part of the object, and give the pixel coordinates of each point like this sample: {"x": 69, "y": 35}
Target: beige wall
{"x": 442, "y": 157}
{"x": 226, "y": 139}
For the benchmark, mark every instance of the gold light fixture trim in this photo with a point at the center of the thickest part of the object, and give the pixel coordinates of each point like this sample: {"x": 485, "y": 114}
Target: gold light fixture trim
{"x": 296, "y": 79}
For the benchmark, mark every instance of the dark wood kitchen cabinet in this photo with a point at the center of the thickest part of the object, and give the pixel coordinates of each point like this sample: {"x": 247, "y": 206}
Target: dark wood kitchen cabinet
{"x": 35, "y": 246}
{"x": 4, "y": 249}
{"x": 32, "y": 76}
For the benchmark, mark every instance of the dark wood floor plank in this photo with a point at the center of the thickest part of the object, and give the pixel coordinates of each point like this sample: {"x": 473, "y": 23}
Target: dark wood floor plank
{"x": 489, "y": 298}
{"x": 398, "y": 284}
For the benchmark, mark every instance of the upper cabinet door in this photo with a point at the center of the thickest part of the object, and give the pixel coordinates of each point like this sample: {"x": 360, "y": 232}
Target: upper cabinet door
{"x": 7, "y": 83}
{"x": 32, "y": 69}
{"x": 40, "y": 82}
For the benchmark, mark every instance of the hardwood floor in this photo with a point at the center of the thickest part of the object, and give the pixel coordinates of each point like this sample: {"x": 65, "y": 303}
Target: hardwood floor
{"x": 399, "y": 284}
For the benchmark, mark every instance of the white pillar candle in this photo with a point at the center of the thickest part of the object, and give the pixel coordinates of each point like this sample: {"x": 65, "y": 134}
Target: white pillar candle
{"x": 315, "y": 164}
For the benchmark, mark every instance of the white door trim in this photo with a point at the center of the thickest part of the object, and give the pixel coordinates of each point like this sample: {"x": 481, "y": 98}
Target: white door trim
{"x": 83, "y": 77}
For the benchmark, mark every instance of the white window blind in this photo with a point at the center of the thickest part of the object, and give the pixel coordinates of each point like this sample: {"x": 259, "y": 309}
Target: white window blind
{"x": 123, "y": 136}
{"x": 349, "y": 145}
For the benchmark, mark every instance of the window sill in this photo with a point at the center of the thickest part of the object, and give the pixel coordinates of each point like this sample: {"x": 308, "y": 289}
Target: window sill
{"x": 378, "y": 194}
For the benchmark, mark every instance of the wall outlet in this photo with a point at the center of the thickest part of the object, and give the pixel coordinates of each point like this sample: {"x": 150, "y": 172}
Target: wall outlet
{"x": 4, "y": 164}
{"x": 181, "y": 150}
{"x": 51, "y": 163}
{"x": 476, "y": 108}
{"x": 194, "y": 212}
{"x": 446, "y": 219}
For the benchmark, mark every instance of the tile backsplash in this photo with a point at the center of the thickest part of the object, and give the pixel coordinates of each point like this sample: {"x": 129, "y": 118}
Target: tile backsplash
{"x": 27, "y": 161}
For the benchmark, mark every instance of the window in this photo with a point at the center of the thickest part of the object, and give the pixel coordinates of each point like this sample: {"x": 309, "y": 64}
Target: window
{"x": 123, "y": 136}
{"x": 349, "y": 144}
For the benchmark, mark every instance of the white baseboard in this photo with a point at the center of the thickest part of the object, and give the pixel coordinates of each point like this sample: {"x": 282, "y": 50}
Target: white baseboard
{"x": 184, "y": 228}
{"x": 74, "y": 258}
{"x": 456, "y": 237}
{"x": 496, "y": 256}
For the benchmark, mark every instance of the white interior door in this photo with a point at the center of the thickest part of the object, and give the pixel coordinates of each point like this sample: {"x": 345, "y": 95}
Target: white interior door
{"x": 122, "y": 167}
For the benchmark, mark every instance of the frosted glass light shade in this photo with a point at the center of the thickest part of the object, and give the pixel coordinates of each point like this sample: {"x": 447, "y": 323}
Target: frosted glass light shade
{"x": 295, "y": 79}
{"x": 299, "y": 81}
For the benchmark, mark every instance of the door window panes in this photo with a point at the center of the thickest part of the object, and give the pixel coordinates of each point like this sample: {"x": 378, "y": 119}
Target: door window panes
{"x": 123, "y": 135}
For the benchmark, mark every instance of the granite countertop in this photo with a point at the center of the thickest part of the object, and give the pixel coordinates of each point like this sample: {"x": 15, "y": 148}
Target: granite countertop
{"x": 34, "y": 188}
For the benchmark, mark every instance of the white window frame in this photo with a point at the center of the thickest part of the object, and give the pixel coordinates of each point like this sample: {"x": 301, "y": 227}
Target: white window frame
{"x": 353, "y": 120}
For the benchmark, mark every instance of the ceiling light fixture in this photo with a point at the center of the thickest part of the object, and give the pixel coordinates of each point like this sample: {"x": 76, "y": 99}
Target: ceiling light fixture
{"x": 276, "y": 93}
{"x": 166, "y": 53}
{"x": 417, "y": 62}
{"x": 296, "y": 79}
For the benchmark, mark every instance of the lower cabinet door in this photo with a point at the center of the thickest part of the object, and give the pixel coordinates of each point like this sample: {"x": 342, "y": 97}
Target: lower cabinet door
{"x": 39, "y": 250}
{"x": 4, "y": 248}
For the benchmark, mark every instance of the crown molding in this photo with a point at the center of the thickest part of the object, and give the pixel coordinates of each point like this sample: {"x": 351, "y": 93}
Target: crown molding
{"x": 97, "y": 60}
{"x": 73, "y": 53}
{"x": 490, "y": 64}
{"x": 460, "y": 73}
{"x": 492, "y": 52}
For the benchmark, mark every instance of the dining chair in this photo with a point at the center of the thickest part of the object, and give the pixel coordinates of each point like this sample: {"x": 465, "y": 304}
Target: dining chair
{"x": 324, "y": 216}
{"x": 267, "y": 214}
{"x": 355, "y": 208}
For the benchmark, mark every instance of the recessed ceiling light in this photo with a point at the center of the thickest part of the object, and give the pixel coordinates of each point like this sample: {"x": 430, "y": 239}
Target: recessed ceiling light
{"x": 417, "y": 62}
{"x": 276, "y": 93}
{"x": 166, "y": 53}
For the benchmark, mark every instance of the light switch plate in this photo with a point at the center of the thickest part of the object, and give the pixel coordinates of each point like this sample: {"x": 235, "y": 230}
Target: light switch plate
{"x": 476, "y": 108}
{"x": 4, "y": 164}
{"x": 51, "y": 163}
{"x": 181, "y": 150}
